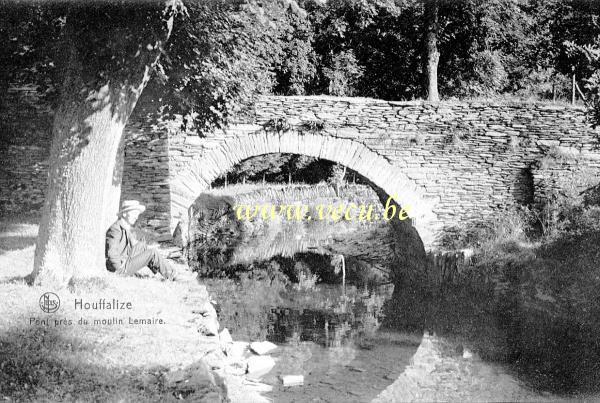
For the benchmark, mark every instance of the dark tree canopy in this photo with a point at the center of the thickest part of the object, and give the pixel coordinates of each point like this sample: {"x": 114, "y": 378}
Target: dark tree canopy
{"x": 223, "y": 53}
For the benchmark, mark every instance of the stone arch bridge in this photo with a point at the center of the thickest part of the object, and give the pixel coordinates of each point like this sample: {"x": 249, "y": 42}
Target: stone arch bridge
{"x": 453, "y": 162}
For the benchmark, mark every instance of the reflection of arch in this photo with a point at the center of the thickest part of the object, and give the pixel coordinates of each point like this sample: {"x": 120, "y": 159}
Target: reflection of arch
{"x": 187, "y": 184}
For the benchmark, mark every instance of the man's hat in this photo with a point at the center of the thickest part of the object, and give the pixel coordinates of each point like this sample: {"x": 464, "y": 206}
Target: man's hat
{"x": 129, "y": 205}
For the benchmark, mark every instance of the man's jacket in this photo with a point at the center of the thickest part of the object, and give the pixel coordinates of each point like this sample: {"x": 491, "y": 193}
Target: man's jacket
{"x": 118, "y": 246}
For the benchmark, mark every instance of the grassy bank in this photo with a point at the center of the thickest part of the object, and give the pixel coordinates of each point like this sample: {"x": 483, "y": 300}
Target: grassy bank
{"x": 151, "y": 352}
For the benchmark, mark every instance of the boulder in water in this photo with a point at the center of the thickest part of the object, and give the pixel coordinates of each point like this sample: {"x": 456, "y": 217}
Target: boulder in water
{"x": 258, "y": 366}
{"x": 225, "y": 336}
{"x": 262, "y": 347}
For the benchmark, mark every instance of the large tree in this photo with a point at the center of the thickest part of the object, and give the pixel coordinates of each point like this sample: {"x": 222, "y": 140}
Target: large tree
{"x": 109, "y": 50}
{"x": 211, "y": 62}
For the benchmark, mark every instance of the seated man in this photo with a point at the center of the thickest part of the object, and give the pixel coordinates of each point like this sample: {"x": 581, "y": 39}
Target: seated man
{"x": 126, "y": 256}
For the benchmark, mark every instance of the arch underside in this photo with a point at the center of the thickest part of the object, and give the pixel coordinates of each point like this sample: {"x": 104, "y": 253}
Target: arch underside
{"x": 187, "y": 185}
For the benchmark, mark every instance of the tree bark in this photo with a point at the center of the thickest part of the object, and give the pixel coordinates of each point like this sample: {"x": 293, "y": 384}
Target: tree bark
{"x": 86, "y": 154}
{"x": 432, "y": 55}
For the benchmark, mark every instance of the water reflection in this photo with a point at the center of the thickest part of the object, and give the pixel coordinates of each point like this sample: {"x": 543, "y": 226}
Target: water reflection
{"x": 335, "y": 339}
{"x": 332, "y": 337}
{"x": 327, "y": 328}
{"x": 290, "y": 238}
{"x": 219, "y": 239}
{"x": 337, "y": 342}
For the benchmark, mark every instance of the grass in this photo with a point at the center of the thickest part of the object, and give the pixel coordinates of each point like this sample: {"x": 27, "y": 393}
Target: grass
{"x": 17, "y": 233}
{"x": 43, "y": 357}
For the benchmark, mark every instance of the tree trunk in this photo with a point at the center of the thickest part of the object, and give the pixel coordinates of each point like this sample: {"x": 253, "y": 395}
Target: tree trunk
{"x": 432, "y": 55}
{"x": 86, "y": 157}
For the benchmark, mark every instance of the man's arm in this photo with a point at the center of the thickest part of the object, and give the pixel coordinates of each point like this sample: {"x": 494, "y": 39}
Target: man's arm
{"x": 113, "y": 252}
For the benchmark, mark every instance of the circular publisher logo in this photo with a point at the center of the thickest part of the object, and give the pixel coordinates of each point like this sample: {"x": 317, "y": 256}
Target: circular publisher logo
{"x": 49, "y": 302}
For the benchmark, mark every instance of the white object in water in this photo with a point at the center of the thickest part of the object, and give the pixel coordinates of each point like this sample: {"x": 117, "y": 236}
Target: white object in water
{"x": 467, "y": 354}
{"x": 260, "y": 365}
{"x": 237, "y": 349}
{"x": 292, "y": 380}
{"x": 225, "y": 336}
{"x": 262, "y": 347}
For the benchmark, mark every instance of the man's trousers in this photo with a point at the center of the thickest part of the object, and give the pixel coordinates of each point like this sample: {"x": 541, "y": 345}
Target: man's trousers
{"x": 142, "y": 256}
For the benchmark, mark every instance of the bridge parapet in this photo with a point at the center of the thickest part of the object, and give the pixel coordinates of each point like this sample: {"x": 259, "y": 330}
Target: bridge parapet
{"x": 453, "y": 163}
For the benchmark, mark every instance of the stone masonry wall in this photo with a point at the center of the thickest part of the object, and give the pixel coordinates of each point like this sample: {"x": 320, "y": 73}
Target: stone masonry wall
{"x": 471, "y": 159}
{"x": 145, "y": 174}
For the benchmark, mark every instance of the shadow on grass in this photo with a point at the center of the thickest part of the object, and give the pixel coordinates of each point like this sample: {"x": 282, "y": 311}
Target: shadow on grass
{"x": 25, "y": 280}
{"x": 17, "y": 233}
{"x": 16, "y": 242}
{"x": 39, "y": 362}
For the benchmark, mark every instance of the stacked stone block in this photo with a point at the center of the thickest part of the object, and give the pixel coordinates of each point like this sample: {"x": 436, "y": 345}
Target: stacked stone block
{"x": 461, "y": 161}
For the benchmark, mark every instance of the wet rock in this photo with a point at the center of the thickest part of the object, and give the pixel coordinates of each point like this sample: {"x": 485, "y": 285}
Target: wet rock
{"x": 174, "y": 376}
{"x": 225, "y": 336}
{"x": 258, "y": 366}
{"x": 209, "y": 327}
{"x": 215, "y": 359}
{"x": 206, "y": 309}
{"x": 237, "y": 349}
{"x": 195, "y": 383}
{"x": 236, "y": 368}
{"x": 262, "y": 347}
{"x": 149, "y": 379}
{"x": 467, "y": 355}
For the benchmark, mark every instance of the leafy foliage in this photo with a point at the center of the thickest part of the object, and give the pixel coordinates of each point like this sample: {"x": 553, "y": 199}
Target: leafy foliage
{"x": 278, "y": 167}
{"x": 226, "y": 52}
{"x": 343, "y": 74}
{"x": 213, "y": 62}
{"x": 367, "y": 48}
{"x": 43, "y": 40}
{"x": 592, "y": 82}
{"x": 28, "y": 40}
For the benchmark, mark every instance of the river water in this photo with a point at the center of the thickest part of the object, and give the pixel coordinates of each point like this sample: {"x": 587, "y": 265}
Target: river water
{"x": 357, "y": 345}
{"x": 336, "y": 338}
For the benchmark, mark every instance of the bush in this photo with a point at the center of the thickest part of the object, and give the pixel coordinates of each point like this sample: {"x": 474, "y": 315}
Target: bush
{"x": 511, "y": 225}
{"x": 306, "y": 281}
{"x": 343, "y": 74}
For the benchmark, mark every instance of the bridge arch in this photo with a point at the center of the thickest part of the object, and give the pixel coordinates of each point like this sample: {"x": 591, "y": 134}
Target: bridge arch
{"x": 188, "y": 183}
